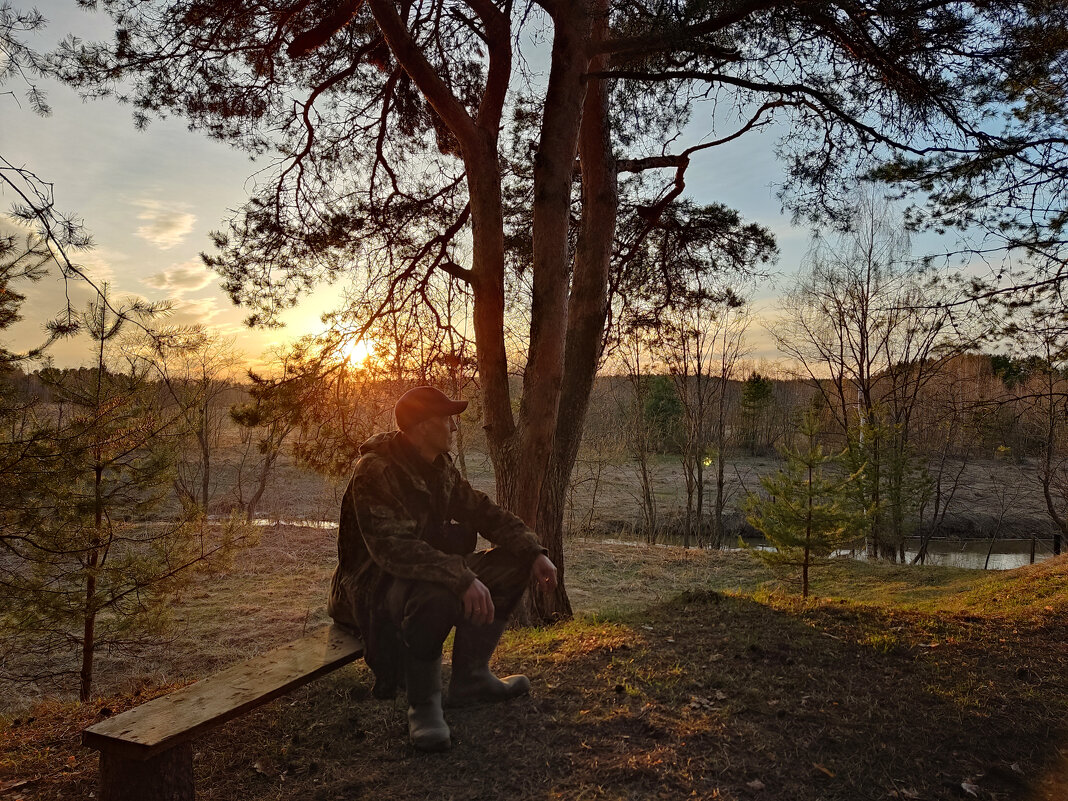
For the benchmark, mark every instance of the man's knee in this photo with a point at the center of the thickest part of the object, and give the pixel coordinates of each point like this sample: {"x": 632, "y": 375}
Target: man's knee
{"x": 425, "y": 613}
{"x": 504, "y": 574}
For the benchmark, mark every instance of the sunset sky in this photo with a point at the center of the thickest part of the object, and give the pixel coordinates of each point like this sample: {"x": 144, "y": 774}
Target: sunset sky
{"x": 151, "y": 197}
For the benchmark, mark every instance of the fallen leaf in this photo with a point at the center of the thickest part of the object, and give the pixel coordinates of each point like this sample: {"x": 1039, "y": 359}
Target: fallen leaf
{"x": 756, "y": 784}
{"x": 969, "y": 788}
{"x": 720, "y": 695}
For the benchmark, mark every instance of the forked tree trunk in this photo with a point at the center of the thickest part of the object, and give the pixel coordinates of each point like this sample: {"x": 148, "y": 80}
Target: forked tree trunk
{"x": 586, "y": 314}
{"x": 533, "y": 454}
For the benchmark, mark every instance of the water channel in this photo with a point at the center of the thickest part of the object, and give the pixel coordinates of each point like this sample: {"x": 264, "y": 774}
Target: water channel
{"x": 1006, "y": 554}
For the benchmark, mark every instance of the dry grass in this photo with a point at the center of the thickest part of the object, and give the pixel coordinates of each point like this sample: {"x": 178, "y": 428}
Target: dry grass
{"x": 685, "y": 674}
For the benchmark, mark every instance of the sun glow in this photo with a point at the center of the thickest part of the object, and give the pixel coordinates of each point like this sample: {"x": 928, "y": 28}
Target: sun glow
{"x": 358, "y": 351}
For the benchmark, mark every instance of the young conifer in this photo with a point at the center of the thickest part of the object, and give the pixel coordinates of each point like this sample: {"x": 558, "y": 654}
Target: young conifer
{"x": 805, "y": 512}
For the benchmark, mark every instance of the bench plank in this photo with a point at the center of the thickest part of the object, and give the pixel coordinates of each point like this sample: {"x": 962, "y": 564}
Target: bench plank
{"x": 164, "y": 722}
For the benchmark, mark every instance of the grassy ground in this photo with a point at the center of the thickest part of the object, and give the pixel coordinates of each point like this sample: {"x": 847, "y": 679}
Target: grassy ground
{"x": 684, "y": 674}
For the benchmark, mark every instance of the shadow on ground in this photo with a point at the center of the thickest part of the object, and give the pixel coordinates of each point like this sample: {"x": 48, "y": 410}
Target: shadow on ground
{"x": 707, "y": 696}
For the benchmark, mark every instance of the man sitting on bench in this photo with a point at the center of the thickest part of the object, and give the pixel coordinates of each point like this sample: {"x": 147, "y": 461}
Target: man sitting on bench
{"x": 407, "y": 572}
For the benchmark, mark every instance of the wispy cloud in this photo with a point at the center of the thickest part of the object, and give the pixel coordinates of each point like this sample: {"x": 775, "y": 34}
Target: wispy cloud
{"x": 99, "y": 264}
{"x": 181, "y": 278}
{"x": 191, "y": 312}
{"x": 165, "y": 224}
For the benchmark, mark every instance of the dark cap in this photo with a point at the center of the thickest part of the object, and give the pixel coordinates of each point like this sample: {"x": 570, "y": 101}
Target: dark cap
{"x": 422, "y": 403}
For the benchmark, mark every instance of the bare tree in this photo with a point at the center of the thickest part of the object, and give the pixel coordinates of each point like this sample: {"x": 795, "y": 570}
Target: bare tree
{"x": 640, "y": 433}
{"x": 702, "y": 344}
{"x": 1042, "y": 399}
{"x": 604, "y": 443}
{"x": 951, "y": 420}
{"x": 869, "y": 334}
{"x": 196, "y": 367}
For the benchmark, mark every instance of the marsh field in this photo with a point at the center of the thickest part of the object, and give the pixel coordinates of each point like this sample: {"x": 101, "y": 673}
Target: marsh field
{"x": 685, "y": 673}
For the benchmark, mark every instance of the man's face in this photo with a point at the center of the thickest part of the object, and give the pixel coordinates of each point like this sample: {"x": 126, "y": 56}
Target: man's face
{"x": 438, "y": 433}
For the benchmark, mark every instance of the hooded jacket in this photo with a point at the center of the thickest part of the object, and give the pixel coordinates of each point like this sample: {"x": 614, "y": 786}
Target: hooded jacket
{"x": 394, "y": 503}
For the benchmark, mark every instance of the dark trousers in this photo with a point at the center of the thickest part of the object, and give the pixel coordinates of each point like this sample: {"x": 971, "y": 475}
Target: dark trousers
{"x": 424, "y": 612}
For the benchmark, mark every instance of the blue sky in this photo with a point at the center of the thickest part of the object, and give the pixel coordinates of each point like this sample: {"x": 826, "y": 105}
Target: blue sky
{"x": 151, "y": 197}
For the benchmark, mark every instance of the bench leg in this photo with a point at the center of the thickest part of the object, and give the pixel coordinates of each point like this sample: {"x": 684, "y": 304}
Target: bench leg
{"x": 166, "y": 777}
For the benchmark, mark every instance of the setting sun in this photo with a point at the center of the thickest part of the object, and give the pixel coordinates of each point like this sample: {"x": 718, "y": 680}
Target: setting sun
{"x": 358, "y": 351}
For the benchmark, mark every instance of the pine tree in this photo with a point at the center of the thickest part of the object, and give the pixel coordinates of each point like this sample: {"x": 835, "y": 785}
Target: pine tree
{"x": 758, "y": 401}
{"x": 88, "y": 561}
{"x": 806, "y": 512}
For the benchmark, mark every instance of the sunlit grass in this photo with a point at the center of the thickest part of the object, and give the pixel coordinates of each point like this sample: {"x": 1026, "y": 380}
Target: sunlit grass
{"x": 1024, "y": 593}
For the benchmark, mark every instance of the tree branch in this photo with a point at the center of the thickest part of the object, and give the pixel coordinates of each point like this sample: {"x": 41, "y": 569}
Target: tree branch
{"x": 822, "y": 100}
{"x": 675, "y": 38}
{"x": 435, "y": 90}
{"x": 499, "y": 40}
{"x": 310, "y": 40}
{"x": 682, "y": 159}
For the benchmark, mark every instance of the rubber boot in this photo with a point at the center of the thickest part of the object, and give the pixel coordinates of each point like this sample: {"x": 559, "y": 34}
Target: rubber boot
{"x": 426, "y": 723}
{"x": 472, "y": 682}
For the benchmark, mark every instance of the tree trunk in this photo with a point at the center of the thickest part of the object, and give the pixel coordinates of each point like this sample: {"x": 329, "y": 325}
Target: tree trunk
{"x": 533, "y": 455}
{"x": 531, "y": 452}
{"x": 88, "y": 628}
{"x": 587, "y": 309}
{"x": 690, "y": 466}
{"x": 261, "y": 484}
{"x": 721, "y": 443}
{"x": 700, "y": 493}
{"x": 205, "y": 458}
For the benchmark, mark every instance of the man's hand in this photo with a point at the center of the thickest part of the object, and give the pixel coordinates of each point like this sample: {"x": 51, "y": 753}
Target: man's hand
{"x": 478, "y": 603}
{"x": 544, "y": 573}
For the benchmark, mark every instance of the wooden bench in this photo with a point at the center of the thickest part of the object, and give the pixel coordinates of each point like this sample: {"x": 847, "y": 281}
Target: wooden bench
{"x": 146, "y": 753}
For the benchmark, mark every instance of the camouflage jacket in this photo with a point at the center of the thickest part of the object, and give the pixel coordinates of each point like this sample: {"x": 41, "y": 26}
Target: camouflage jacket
{"x": 393, "y": 504}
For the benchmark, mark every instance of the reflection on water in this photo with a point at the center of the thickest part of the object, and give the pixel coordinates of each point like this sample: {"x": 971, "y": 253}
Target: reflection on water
{"x": 1005, "y": 554}
{"x": 971, "y": 554}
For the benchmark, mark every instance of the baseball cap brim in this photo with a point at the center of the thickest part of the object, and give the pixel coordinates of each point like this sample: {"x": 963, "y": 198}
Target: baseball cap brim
{"x": 422, "y": 403}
